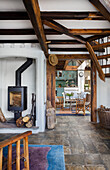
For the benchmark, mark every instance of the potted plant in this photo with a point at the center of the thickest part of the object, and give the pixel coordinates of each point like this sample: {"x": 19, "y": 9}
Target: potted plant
{"x": 69, "y": 94}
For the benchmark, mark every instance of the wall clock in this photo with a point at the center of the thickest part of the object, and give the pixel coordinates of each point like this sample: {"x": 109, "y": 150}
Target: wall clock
{"x": 81, "y": 74}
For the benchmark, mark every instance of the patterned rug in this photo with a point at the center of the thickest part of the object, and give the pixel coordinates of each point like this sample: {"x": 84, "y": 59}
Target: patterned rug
{"x": 42, "y": 157}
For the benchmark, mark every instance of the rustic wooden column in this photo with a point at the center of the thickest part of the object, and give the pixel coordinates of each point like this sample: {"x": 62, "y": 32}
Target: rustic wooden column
{"x": 93, "y": 93}
{"x": 51, "y": 85}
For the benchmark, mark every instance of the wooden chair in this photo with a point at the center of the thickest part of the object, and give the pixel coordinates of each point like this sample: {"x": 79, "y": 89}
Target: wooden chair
{"x": 60, "y": 102}
{"x": 88, "y": 102}
{"x": 80, "y": 105}
{"x": 8, "y": 142}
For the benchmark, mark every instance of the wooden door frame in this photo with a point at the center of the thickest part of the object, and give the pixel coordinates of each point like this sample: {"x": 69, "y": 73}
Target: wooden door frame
{"x": 51, "y": 90}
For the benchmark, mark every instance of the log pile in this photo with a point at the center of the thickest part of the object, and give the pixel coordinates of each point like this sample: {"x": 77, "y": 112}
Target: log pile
{"x": 26, "y": 121}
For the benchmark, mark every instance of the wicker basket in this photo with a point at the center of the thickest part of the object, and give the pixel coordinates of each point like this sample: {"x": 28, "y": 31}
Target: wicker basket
{"x": 104, "y": 117}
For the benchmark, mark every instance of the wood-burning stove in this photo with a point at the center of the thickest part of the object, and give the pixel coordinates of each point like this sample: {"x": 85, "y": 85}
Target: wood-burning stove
{"x": 17, "y": 95}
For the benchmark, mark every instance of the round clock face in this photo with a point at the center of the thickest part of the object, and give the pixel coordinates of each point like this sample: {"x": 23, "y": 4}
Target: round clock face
{"x": 81, "y": 74}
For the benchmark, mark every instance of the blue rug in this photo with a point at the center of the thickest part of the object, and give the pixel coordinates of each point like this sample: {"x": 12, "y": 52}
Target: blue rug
{"x": 55, "y": 156}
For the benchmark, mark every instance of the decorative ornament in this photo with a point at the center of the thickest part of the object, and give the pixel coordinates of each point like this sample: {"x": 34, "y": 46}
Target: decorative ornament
{"x": 81, "y": 74}
{"x": 53, "y": 60}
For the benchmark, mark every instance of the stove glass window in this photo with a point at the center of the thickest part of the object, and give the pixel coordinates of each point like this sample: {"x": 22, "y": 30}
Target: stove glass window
{"x": 15, "y": 99}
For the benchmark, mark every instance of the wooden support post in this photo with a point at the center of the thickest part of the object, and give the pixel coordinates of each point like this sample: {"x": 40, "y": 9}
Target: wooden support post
{"x": 51, "y": 70}
{"x": 18, "y": 155}
{"x": 10, "y": 157}
{"x": 1, "y": 155}
{"x": 26, "y": 153}
{"x": 93, "y": 93}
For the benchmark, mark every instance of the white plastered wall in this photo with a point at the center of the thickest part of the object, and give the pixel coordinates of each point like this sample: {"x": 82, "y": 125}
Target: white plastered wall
{"x": 11, "y": 58}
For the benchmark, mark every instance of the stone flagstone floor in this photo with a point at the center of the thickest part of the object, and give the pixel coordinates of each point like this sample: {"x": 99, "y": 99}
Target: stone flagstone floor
{"x": 86, "y": 145}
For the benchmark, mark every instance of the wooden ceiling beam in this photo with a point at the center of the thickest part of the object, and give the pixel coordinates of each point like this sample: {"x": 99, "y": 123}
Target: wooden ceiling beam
{"x": 33, "y": 11}
{"x": 89, "y": 31}
{"x": 96, "y": 37}
{"x": 29, "y": 31}
{"x": 103, "y": 57}
{"x": 17, "y": 32}
{"x": 107, "y": 75}
{"x": 73, "y": 56}
{"x": 103, "y": 10}
{"x": 58, "y": 27}
{"x": 20, "y": 15}
{"x": 72, "y": 15}
{"x": 106, "y": 66}
{"x": 100, "y": 46}
{"x": 66, "y": 63}
{"x": 75, "y": 49}
{"x": 63, "y": 42}
{"x": 95, "y": 61}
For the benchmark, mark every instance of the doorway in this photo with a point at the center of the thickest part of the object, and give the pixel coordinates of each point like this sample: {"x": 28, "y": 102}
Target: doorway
{"x": 73, "y": 84}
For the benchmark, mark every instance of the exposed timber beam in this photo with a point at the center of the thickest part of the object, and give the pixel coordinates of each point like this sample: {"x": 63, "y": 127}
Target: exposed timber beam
{"x": 51, "y": 32}
{"x": 66, "y": 63}
{"x": 71, "y": 68}
{"x": 106, "y": 66}
{"x": 96, "y": 37}
{"x": 72, "y": 15}
{"x": 13, "y": 15}
{"x": 20, "y": 15}
{"x": 64, "y": 30}
{"x": 103, "y": 56}
{"x": 26, "y": 32}
{"x": 79, "y": 56}
{"x": 31, "y": 31}
{"x": 89, "y": 31}
{"x": 33, "y": 11}
{"x": 63, "y": 42}
{"x": 17, "y": 32}
{"x": 73, "y": 56}
{"x": 95, "y": 61}
{"x": 36, "y": 41}
{"x": 100, "y": 46}
{"x": 101, "y": 7}
{"x": 75, "y": 49}
{"x": 107, "y": 75}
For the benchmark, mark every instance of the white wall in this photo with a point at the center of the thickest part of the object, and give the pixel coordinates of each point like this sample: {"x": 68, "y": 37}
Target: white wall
{"x": 103, "y": 92}
{"x": 10, "y": 59}
{"x": 8, "y": 68}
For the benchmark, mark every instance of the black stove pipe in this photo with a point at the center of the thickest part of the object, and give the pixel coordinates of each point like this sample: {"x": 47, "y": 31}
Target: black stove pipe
{"x": 21, "y": 69}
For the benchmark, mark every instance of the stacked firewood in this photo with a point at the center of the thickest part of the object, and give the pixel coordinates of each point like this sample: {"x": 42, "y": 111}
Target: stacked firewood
{"x": 26, "y": 121}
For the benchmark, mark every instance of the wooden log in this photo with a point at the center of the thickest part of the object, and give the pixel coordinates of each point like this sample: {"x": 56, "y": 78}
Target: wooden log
{"x": 19, "y": 122}
{"x": 26, "y": 118}
{"x": 2, "y": 117}
{"x": 29, "y": 124}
